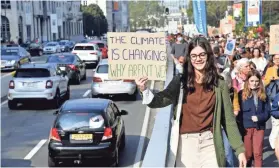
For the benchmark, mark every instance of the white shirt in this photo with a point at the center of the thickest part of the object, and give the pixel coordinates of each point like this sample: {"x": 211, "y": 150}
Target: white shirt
{"x": 147, "y": 96}
{"x": 260, "y": 63}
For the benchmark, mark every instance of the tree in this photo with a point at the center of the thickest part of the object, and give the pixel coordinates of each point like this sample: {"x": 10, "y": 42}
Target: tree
{"x": 94, "y": 20}
{"x": 140, "y": 10}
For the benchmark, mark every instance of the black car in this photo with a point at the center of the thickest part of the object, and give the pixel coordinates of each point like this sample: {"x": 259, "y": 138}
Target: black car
{"x": 87, "y": 129}
{"x": 70, "y": 63}
{"x": 35, "y": 49}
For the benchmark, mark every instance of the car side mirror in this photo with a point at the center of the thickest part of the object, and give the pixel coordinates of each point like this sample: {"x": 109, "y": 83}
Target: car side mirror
{"x": 123, "y": 112}
{"x": 56, "y": 112}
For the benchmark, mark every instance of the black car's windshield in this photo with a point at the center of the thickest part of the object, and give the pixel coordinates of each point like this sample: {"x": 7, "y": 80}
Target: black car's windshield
{"x": 51, "y": 44}
{"x": 61, "y": 59}
{"x": 34, "y": 45}
{"x": 79, "y": 121}
{"x": 9, "y": 51}
{"x": 32, "y": 72}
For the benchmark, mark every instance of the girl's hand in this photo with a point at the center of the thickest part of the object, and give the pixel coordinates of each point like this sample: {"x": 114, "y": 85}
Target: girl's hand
{"x": 141, "y": 83}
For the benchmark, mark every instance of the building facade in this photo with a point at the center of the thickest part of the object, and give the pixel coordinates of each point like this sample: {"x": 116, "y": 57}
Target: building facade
{"x": 44, "y": 20}
{"x": 116, "y": 13}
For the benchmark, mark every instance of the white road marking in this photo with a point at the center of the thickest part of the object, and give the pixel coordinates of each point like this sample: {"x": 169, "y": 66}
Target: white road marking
{"x": 86, "y": 93}
{"x": 35, "y": 149}
{"x": 138, "y": 158}
{"x": 4, "y": 102}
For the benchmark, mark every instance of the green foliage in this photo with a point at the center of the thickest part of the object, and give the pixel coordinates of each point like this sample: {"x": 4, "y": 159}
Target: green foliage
{"x": 140, "y": 10}
{"x": 94, "y": 19}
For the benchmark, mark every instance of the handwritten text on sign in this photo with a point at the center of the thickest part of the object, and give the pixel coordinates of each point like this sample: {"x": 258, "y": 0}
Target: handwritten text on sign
{"x": 274, "y": 39}
{"x": 133, "y": 55}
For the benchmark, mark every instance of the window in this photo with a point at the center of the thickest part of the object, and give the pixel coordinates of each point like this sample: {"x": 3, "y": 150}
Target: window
{"x": 111, "y": 115}
{"x": 32, "y": 72}
{"x": 84, "y": 48}
{"x": 21, "y": 5}
{"x": 102, "y": 69}
{"x": 9, "y": 52}
{"x": 115, "y": 109}
{"x": 17, "y": 5}
{"x": 6, "y": 4}
{"x": 101, "y": 45}
{"x": 61, "y": 59}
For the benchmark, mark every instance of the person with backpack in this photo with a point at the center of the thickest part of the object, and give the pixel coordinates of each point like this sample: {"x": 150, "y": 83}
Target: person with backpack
{"x": 274, "y": 135}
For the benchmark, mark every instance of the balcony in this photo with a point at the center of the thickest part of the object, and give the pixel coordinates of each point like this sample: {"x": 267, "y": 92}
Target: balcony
{"x": 79, "y": 16}
{"x": 69, "y": 16}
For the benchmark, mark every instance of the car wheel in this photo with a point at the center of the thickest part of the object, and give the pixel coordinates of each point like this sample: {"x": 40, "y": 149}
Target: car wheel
{"x": 67, "y": 95}
{"x": 77, "y": 79}
{"x": 123, "y": 141}
{"x": 12, "y": 104}
{"x": 115, "y": 159}
{"x": 52, "y": 162}
{"x": 56, "y": 100}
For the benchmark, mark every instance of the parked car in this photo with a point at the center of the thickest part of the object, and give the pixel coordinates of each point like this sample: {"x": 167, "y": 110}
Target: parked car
{"x": 87, "y": 129}
{"x": 65, "y": 45}
{"x": 102, "y": 85}
{"x": 103, "y": 47}
{"x": 71, "y": 64}
{"x": 36, "y": 49}
{"x": 13, "y": 57}
{"x": 52, "y": 47}
{"x": 38, "y": 82}
{"x": 90, "y": 53}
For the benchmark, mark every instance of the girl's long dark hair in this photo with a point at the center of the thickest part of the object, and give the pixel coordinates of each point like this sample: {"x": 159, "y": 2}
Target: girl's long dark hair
{"x": 211, "y": 75}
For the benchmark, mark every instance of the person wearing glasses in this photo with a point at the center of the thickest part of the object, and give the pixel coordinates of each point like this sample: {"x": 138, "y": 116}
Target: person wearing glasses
{"x": 206, "y": 109}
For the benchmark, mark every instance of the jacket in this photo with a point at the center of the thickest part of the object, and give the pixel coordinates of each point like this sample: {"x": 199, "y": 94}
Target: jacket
{"x": 275, "y": 107}
{"x": 271, "y": 73}
{"x": 248, "y": 109}
{"x": 223, "y": 116}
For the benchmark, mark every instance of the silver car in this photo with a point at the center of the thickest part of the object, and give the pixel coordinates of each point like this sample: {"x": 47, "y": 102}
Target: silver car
{"x": 52, "y": 47}
{"x": 102, "y": 85}
{"x": 38, "y": 82}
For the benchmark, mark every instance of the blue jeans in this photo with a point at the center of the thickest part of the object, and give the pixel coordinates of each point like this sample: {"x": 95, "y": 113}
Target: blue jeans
{"x": 228, "y": 151}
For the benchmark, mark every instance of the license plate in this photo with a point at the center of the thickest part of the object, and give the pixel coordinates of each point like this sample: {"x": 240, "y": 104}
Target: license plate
{"x": 81, "y": 137}
{"x": 62, "y": 68}
{"x": 29, "y": 84}
{"x": 113, "y": 82}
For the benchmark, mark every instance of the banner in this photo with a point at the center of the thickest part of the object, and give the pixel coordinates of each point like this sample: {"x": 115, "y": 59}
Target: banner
{"x": 230, "y": 47}
{"x": 134, "y": 55}
{"x": 199, "y": 8}
{"x": 53, "y": 23}
{"x": 237, "y": 10}
{"x": 253, "y": 12}
{"x": 274, "y": 39}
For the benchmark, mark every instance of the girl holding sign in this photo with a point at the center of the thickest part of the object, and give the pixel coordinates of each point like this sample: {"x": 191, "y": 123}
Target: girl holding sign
{"x": 206, "y": 109}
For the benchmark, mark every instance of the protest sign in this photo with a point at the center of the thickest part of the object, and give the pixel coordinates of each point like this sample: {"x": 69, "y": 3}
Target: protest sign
{"x": 230, "y": 47}
{"x": 274, "y": 39}
{"x": 134, "y": 55}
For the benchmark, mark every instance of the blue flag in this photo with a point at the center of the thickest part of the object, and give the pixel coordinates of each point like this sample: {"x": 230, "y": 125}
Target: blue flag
{"x": 199, "y": 8}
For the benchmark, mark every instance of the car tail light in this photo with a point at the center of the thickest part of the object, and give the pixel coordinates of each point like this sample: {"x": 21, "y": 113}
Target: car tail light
{"x": 97, "y": 79}
{"x": 73, "y": 67}
{"x": 74, "y": 53}
{"x": 94, "y": 52}
{"x": 54, "y": 134}
{"x": 49, "y": 84}
{"x": 128, "y": 80}
{"x": 107, "y": 134}
{"x": 12, "y": 84}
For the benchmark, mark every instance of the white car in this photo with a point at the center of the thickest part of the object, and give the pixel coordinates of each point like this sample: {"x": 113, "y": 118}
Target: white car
{"x": 52, "y": 47}
{"x": 87, "y": 52}
{"x": 102, "y": 85}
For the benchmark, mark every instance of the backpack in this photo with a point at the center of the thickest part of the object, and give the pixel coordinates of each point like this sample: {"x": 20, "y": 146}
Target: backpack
{"x": 272, "y": 89}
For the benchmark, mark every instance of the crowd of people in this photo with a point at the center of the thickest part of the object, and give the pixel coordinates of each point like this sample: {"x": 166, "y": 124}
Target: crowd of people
{"x": 228, "y": 100}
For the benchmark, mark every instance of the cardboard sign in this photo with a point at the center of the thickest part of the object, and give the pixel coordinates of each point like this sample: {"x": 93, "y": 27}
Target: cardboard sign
{"x": 134, "y": 55}
{"x": 274, "y": 39}
{"x": 230, "y": 47}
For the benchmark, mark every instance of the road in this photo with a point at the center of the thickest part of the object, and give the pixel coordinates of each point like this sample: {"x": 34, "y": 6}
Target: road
{"x": 23, "y": 129}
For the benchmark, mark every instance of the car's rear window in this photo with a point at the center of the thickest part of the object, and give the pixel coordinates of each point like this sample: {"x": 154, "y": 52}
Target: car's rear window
{"x": 61, "y": 59}
{"x": 101, "y": 45}
{"x": 84, "y": 48}
{"x": 102, "y": 69}
{"x": 79, "y": 120}
{"x": 32, "y": 73}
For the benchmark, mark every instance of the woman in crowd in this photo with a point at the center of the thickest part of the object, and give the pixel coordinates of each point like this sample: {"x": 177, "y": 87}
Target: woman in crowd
{"x": 272, "y": 68}
{"x": 242, "y": 68}
{"x": 254, "y": 112}
{"x": 259, "y": 60}
{"x": 203, "y": 88}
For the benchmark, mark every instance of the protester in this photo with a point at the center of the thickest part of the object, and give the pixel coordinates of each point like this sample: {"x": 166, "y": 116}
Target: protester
{"x": 259, "y": 60}
{"x": 271, "y": 72}
{"x": 243, "y": 68}
{"x": 254, "y": 112}
{"x": 204, "y": 89}
{"x": 274, "y": 135}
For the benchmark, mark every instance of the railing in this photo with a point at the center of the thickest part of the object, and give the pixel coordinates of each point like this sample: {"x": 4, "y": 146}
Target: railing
{"x": 160, "y": 152}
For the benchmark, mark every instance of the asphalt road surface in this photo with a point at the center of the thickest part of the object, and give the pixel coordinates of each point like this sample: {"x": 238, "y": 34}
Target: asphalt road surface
{"x": 23, "y": 130}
